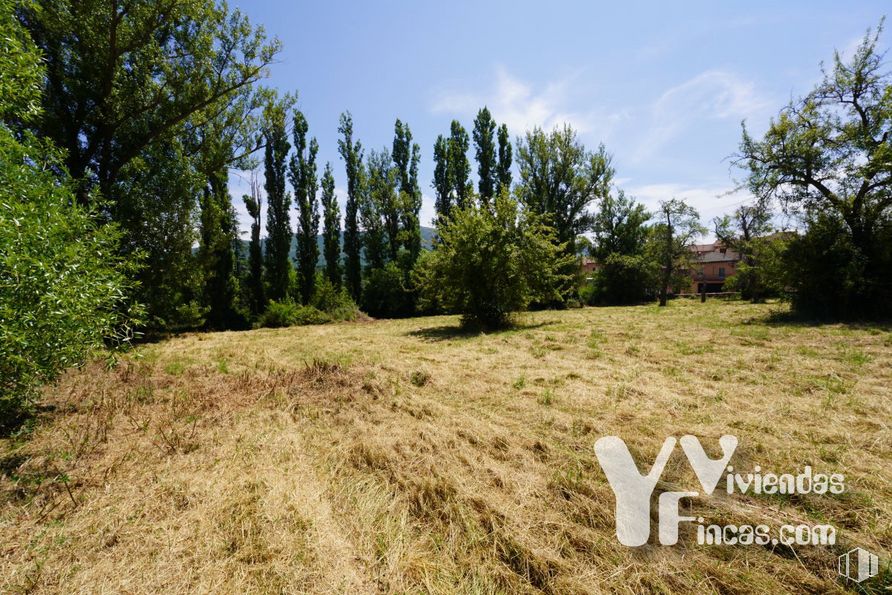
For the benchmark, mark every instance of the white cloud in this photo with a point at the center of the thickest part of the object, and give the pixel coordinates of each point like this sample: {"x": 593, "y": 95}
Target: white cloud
{"x": 710, "y": 200}
{"x": 522, "y": 106}
{"x": 711, "y": 95}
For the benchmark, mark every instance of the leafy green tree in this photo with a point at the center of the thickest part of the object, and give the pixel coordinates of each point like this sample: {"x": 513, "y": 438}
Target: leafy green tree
{"x": 625, "y": 275}
{"x": 303, "y": 178}
{"x": 217, "y": 256}
{"x": 559, "y": 180}
{"x": 405, "y": 159}
{"x": 123, "y": 75}
{"x": 379, "y": 212}
{"x": 62, "y": 283}
{"x": 278, "y": 205}
{"x": 619, "y": 227}
{"x": 351, "y": 153}
{"x": 491, "y": 262}
{"x": 745, "y": 232}
{"x": 458, "y": 170}
{"x": 160, "y": 225}
{"x": 828, "y": 156}
{"x": 677, "y": 226}
{"x": 254, "y": 206}
{"x": 441, "y": 185}
{"x": 485, "y": 152}
{"x": 331, "y": 230}
{"x": 411, "y": 198}
{"x": 503, "y": 173}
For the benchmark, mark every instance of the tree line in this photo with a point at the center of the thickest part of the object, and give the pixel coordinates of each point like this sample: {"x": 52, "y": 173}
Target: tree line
{"x": 120, "y": 124}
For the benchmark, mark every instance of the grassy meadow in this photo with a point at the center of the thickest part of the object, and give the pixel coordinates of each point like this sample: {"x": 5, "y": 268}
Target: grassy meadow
{"x": 405, "y": 456}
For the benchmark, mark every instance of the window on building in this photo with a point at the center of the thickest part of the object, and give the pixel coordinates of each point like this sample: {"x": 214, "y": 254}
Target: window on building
{"x": 722, "y": 272}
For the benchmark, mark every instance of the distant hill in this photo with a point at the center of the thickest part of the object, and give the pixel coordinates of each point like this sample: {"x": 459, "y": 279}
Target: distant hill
{"x": 427, "y": 235}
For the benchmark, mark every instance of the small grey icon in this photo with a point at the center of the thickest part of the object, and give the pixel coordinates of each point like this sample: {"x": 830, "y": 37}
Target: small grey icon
{"x": 858, "y": 565}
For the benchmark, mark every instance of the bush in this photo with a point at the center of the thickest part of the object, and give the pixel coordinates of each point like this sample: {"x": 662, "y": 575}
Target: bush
{"x": 62, "y": 287}
{"x": 282, "y": 314}
{"x": 830, "y": 277}
{"x": 493, "y": 261}
{"x": 620, "y": 280}
{"x": 386, "y": 293}
{"x": 334, "y": 302}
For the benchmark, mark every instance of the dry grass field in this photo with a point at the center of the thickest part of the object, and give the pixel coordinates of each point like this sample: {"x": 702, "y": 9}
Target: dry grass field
{"x": 404, "y": 456}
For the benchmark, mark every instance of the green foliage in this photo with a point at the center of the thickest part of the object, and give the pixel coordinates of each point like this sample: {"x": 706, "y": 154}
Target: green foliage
{"x": 458, "y": 168}
{"x": 331, "y": 231}
{"x": 378, "y": 212}
{"x": 492, "y": 262}
{"x": 749, "y": 233}
{"x": 254, "y": 282}
{"x": 442, "y": 201}
{"x": 669, "y": 244}
{"x": 406, "y": 155}
{"x": 827, "y": 272}
{"x": 278, "y": 205}
{"x": 386, "y": 293}
{"x": 485, "y": 152}
{"x": 125, "y": 75}
{"x": 61, "y": 282}
{"x": 559, "y": 180}
{"x": 503, "y": 173}
{"x": 286, "y": 313}
{"x": 621, "y": 279}
{"x": 351, "y": 153}
{"x": 333, "y": 301}
{"x": 827, "y": 157}
{"x": 302, "y": 170}
{"x": 20, "y": 72}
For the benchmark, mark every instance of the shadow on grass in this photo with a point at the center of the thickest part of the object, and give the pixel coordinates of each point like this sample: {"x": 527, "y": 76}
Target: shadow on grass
{"x": 791, "y": 319}
{"x": 448, "y": 333}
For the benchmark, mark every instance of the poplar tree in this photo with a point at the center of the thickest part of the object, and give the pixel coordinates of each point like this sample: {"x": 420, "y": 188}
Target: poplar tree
{"x": 443, "y": 202}
{"x": 254, "y": 206}
{"x": 351, "y": 153}
{"x": 405, "y": 159}
{"x": 278, "y": 205}
{"x": 458, "y": 168}
{"x": 303, "y": 178}
{"x": 331, "y": 230}
{"x": 484, "y": 142}
{"x": 376, "y": 210}
{"x": 503, "y": 174}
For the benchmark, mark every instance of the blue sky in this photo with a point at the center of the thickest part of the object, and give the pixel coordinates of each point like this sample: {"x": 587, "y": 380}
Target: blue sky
{"x": 663, "y": 86}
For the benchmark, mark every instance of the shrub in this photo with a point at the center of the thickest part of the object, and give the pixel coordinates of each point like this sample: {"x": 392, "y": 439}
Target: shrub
{"x": 493, "y": 261}
{"x": 621, "y": 279}
{"x": 282, "y": 314}
{"x": 336, "y": 303}
{"x": 62, "y": 287}
{"x": 386, "y": 293}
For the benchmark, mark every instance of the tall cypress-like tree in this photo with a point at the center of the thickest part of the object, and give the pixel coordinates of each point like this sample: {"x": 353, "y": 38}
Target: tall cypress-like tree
{"x": 443, "y": 201}
{"x": 278, "y": 205}
{"x": 484, "y": 142}
{"x": 216, "y": 254}
{"x": 254, "y": 206}
{"x": 376, "y": 210}
{"x": 351, "y": 153}
{"x": 503, "y": 174}
{"x": 458, "y": 166}
{"x": 412, "y": 208}
{"x": 405, "y": 158}
{"x": 303, "y": 178}
{"x": 331, "y": 230}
